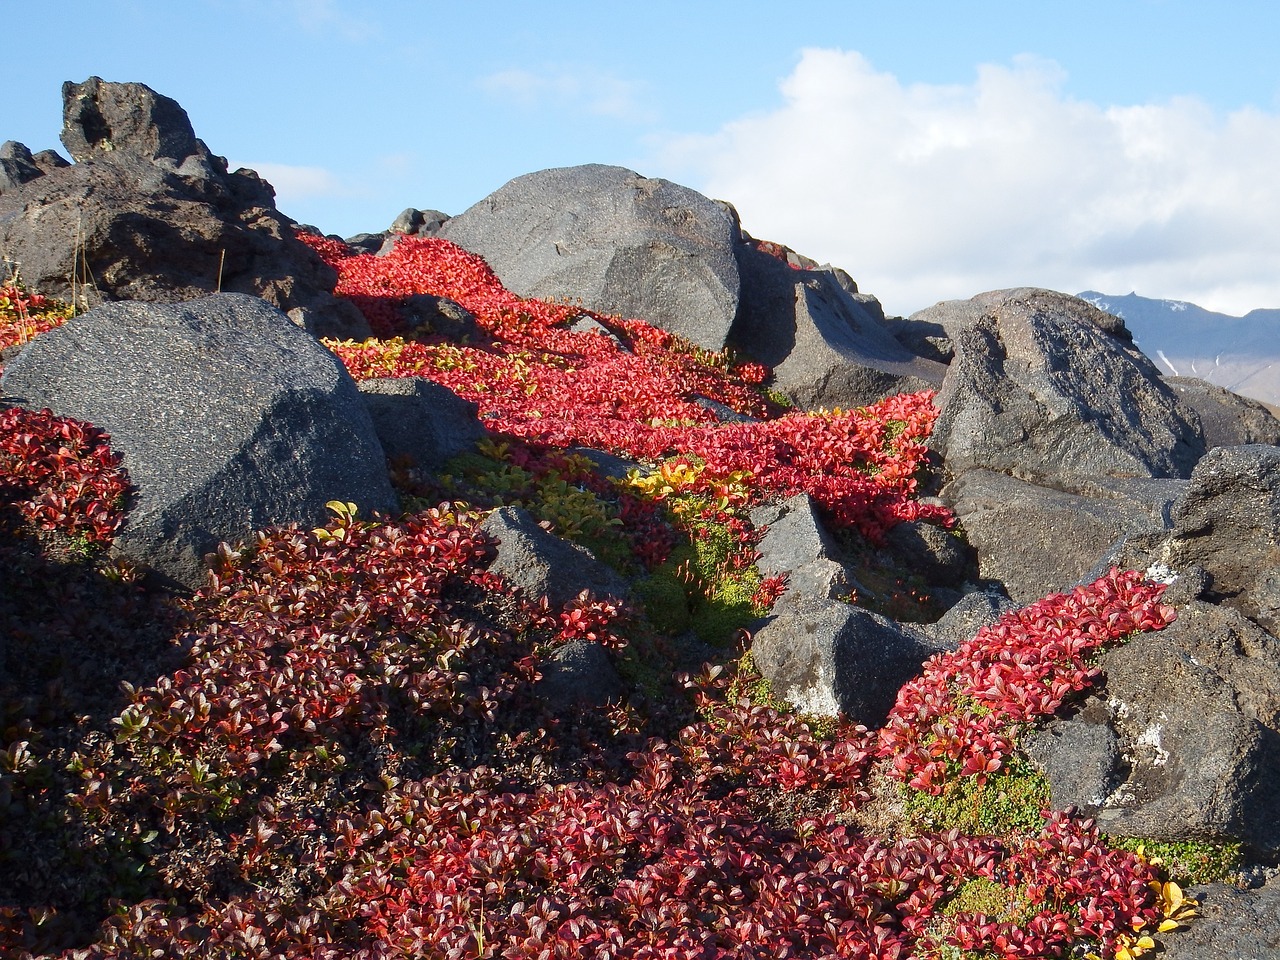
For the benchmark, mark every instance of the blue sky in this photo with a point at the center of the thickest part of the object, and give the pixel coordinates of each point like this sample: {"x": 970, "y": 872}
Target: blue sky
{"x": 932, "y": 149}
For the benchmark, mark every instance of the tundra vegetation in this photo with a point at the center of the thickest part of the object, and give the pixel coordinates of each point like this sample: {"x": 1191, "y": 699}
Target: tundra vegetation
{"x": 337, "y": 748}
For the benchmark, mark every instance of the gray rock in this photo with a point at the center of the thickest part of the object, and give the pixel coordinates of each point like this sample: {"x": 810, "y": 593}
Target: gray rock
{"x": 149, "y": 213}
{"x": 579, "y": 673}
{"x": 421, "y": 421}
{"x": 1035, "y": 540}
{"x": 1232, "y": 924}
{"x": 1229, "y": 524}
{"x": 941, "y": 557}
{"x": 967, "y": 616}
{"x": 1228, "y": 419}
{"x": 831, "y": 659}
{"x": 542, "y": 564}
{"x": 1183, "y": 742}
{"x": 617, "y": 241}
{"x": 427, "y": 313}
{"x": 826, "y": 347}
{"x": 413, "y": 222}
{"x": 1044, "y": 387}
{"x": 17, "y": 165}
{"x": 229, "y": 417}
{"x": 797, "y": 544}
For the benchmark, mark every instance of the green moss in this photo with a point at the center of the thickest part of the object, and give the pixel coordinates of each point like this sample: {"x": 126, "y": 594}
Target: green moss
{"x": 1009, "y": 802}
{"x": 1188, "y": 862}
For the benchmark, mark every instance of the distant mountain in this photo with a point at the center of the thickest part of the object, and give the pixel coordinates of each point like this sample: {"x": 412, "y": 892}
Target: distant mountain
{"x": 1239, "y": 353}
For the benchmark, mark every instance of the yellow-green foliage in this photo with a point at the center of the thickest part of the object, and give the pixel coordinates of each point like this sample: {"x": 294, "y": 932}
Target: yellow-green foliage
{"x": 1188, "y": 862}
{"x": 1010, "y": 801}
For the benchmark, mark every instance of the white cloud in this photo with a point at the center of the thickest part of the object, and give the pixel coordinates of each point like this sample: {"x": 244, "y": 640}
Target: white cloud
{"x": 927, "y": 192}
{"x": 580, "y": 88}
{"x": 327, "y": 16}
{"x": 295, "y": 183}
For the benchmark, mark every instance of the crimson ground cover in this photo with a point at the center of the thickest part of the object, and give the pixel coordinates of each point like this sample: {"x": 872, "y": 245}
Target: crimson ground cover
{"x": 351, "y": 759}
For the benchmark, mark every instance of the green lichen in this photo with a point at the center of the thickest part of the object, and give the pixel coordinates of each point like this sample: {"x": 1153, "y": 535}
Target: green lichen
{"x": 1009, "y": 801}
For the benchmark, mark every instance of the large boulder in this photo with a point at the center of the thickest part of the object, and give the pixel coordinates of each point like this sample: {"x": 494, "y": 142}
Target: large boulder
{"x": 148, "y": 213}
{"x": 795, "y": 544}
{"x": 1048, "y": 388}
{"x": 618, "y": 242}
{"x": 827, "y": 346}
{"x": 230, "y": 419}
{"x": 1232, "y": 924}
{"x": 1183, "y": 740}
{"x": 1036, "y": 540}
{"x": 1228, "y": 524}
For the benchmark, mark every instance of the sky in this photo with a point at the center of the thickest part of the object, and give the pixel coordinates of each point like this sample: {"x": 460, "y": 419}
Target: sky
{"x": 932, "y": 149}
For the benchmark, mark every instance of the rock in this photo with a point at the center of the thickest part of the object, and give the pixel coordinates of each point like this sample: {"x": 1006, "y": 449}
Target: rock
{"x": 617, "y": 241}
{"x": 942, "y": 558}
{"x": 831, "y": 659}
{"x": 417, "y": 223}
{"x": 542, "y": 564}
{"x": 1228, "y": 419}
{"x": 17, "y": 166}
{"x": 421, "y": 421}
{"x": 1229, "y": 524}
{"x": 229, "y": 417}
{"x": 1035, "y": 540}
{"x": 1232, "y": 924}
{"x": 579, "y": 673}
{"x": 426, "y": 313}
{"x": 1183, "y": 742}
{"x": 1042, "y": 387}
{"x": 148, "y": 213}
{"x": 967, "y": 616}
{"x": 826, "y": 347}
{"x": 796, "y": 544}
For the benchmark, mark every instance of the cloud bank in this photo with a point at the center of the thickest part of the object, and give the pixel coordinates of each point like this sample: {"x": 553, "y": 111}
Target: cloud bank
{"x": 929, "y": 192}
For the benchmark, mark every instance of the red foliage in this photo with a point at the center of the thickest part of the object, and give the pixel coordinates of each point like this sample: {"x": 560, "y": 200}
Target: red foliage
{"x": 963, "y": 713}
{"x": 61, "y": 474}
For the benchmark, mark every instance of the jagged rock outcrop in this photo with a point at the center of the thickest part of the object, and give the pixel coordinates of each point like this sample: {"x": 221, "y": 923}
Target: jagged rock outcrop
{"x": 229, "y": 417}
{"x": 1048, "y": 388}
{"x": 797, "y": 545}
{"x": 148, "y": 213}
{"x": 619, "y": 242}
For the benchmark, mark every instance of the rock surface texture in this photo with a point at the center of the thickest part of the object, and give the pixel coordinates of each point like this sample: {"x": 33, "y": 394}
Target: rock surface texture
{"x": 229, "y": 417}
{"x": 621, "y": 243}
{"x": 1046, "y": 387}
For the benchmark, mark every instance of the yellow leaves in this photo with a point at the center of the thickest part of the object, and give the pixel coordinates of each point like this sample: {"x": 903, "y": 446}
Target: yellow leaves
{"x": 344, "y": 519}
{"x": 672, "y": 476}
{"x": 1129, "y": 948}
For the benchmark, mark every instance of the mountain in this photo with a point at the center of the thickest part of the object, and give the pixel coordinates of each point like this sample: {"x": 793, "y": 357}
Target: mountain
{"x": 1239, "y": 353}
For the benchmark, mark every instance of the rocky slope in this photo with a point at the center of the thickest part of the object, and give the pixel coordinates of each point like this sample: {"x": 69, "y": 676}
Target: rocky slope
{"x": 994, "y": 558}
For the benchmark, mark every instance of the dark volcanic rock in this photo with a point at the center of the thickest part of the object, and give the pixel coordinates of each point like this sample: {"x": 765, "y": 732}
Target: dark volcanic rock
{"x": 830, "y": 658}
{"x": 17, "y": 166}
{"x": 1046, "y": 387}
{"x": 1229, "y": 525}
{"x": 1035, "y": 540}
{"x": 1183, "y": 741}
{"x": 579, "y": 673}
{"x": 1233, "y": 924}
{"x": 798, "y": 545}
{"x": 542, "y": 564}
{"x": 827, "y": 346}
{"x": 148, "y": 213}
{"x": 421, "y": 421}
{"x": 619, "y": 242}
{"x": 1228, "y": 419}
{"x": 229, "y": 417}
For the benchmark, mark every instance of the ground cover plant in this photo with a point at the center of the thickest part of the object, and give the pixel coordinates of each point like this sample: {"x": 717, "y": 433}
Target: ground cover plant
{"x": 338, "y": 748}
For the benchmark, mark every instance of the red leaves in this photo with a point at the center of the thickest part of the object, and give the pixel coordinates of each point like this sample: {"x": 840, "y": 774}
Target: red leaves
{"x": 960, "y": 715}
{"x": 640, "y": 393}
{"x": 61, "y": 474}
